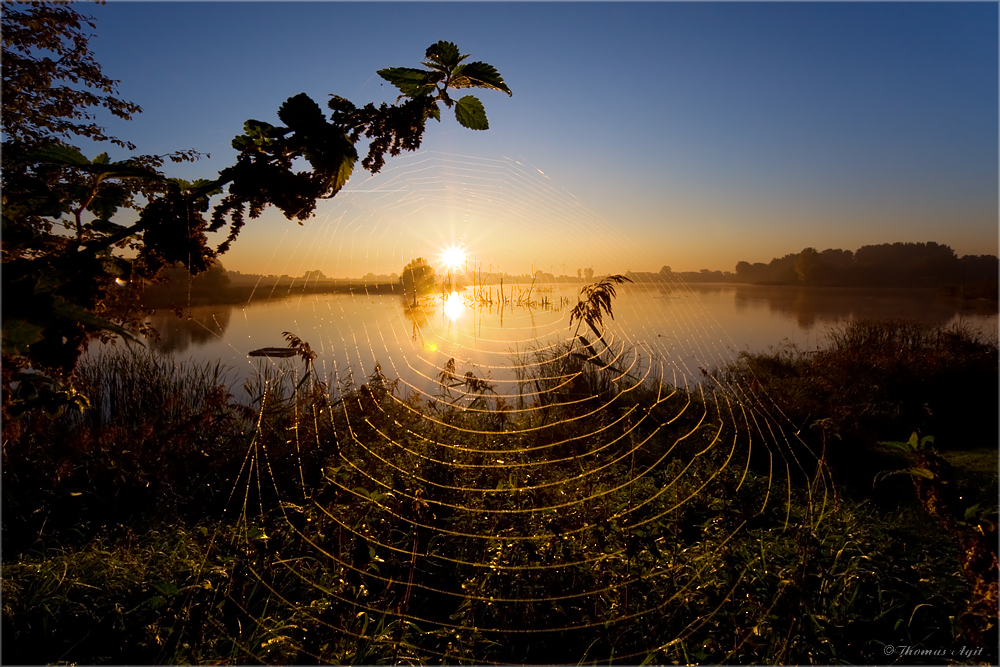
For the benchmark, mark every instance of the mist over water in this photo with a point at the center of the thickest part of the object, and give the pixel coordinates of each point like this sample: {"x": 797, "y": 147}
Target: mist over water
{"x": 677, "y": 332}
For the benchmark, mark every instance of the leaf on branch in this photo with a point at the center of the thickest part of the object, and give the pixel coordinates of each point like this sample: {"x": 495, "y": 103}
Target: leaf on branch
{"x": 411, "y": 82}
{"x": 301, "y": 113}
{"x": 444, "y": 53}
{"x": 470, "y": 113}
{"x": 479, "y": 75}
{"x": 63, "y": 308}
{"x": 58, "y": 154}
{"x": 18, "y": 335}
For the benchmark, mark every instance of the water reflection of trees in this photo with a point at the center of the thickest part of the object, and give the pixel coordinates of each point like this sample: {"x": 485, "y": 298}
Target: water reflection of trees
{"x": 417, "y": 314}
{"x": 196, "y": 326}
{"x": 817, "y": 305}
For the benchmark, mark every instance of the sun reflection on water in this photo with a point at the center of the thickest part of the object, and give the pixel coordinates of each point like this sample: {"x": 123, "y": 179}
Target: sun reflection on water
{"x": 453, "y": 306}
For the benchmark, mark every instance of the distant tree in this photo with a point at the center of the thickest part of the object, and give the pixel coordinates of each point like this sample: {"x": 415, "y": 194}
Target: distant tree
{"x": 579, "y": 273}
{"x": 544, "y": 277}
{"x": 809, "y": 267}
{"x": 313, "y": 275}
{"x": 59, "y": 284}
{"x": 418, "y": 279}
{"x": 588, "y": 274}
{"x": 837, "y": 258}
{"x": 906, "y": 264}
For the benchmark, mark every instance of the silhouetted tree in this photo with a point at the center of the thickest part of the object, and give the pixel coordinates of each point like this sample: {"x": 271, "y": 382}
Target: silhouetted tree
{"x": 418, "y": 278}
{"x": 809, "y": 267}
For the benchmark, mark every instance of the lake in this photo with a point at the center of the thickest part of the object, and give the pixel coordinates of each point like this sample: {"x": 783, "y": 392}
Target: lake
{"x": 674, "y": 331}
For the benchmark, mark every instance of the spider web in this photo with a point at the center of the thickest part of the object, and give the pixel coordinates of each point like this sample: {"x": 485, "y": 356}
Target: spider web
{"x": 480, "y": 479}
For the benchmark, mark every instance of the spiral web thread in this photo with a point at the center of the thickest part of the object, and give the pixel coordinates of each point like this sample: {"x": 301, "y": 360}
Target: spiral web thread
{"x": 492, "y": 489}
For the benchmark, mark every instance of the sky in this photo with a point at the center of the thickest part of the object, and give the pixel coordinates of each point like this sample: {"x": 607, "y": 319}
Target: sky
{"x": 693, "y": 135}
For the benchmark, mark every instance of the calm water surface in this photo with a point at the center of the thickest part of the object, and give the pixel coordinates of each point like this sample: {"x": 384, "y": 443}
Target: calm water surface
{"x": 674, "y": 332}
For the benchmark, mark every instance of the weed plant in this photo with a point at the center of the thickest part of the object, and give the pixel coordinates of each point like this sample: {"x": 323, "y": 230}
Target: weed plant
{"x": 582, "y": 520}
{"x": 878, "y": 380}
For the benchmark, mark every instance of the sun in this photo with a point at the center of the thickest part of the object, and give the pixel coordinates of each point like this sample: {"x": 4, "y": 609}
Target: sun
{"x": 453, "y": 257}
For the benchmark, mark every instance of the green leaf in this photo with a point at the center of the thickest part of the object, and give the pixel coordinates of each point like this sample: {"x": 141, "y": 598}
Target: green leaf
{"x": 257, "y": 533}
{"x": 411, "y": 82}
{"x": 444, "y": 53}
{"x": 124, "y": 170}
{"x": 18, "y": 335}
{"x": 344, "y": 173}
{"x": 106, "y": 203}
{"x": 102, "y": 159}
{"x": 470, "y": 113}
{"x": 59, "y": 154}
{"x": 895, "y": 444}
{"x": 301, "y": 113}
{"x": 167, "y": 588}
{"x": 63, "y": 308}
{"x": 117, "y": 266}
{"x": 479, "y": 75}
{"x": 257, "y": 134}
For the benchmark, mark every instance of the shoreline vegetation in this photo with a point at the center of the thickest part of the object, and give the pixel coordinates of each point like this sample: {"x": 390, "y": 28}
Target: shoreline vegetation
{"x": 897, "y": 265}
{"x": 177, "y": 523}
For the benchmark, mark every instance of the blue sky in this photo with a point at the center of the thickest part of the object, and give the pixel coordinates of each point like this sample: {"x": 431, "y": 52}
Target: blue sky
{"x": 699, "y": 133}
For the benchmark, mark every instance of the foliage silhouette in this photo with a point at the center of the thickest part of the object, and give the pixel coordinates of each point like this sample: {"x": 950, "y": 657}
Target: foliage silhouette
{"x": 418, "y": 279}
{"x": 60, "y": 290}
{"x": 596, "y": 300}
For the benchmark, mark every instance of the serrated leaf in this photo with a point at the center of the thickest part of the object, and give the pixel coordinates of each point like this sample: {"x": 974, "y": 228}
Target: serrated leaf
{"x": 895, "y": 444}
{"x": 59, "y": 154}
{"x": 444, "y": 53}
{"x": 479, "y": 75}
{"x": 116, "y": 266}
{"x": 344, "y": 173}
{"x": 470, "y": 113}
{"x": 18, "y": 335}
{"x": 123, "y": 170}
{"x": 102, "y": 159}
{"x": 63, "y": 308}
{"x": 411, "y": 82}
{"x": 106, "y": 203}
{"x": 257, "y": 533}
{"x": 338, "y": 103}
{"x": 301, "y": 113}
{"x": 167, "y": 588}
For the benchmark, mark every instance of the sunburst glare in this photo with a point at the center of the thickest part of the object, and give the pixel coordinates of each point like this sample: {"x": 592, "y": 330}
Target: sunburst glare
{"x": 453, "y": 257}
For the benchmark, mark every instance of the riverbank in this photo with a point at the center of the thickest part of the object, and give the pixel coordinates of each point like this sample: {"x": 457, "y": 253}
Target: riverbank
{"x": 176, "y": 522}
{"x": 156, "y": 295}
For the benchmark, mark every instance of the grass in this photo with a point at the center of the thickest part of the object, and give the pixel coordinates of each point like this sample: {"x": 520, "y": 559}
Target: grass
{"x": 291, "y": 523}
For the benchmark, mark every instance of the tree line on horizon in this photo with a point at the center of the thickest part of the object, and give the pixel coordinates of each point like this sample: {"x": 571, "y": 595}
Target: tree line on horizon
{"x": 882, "y": 265}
